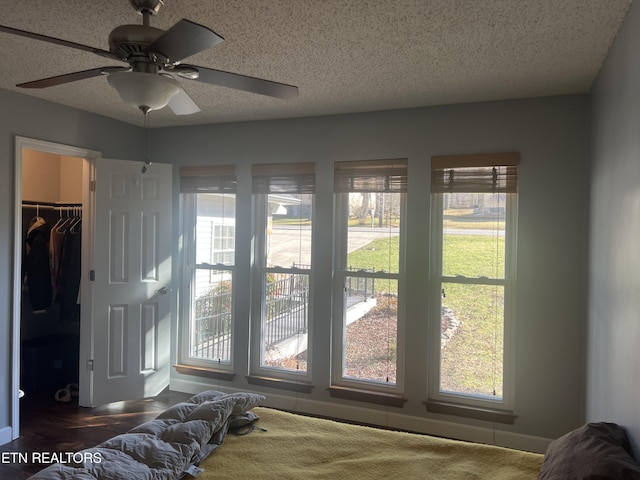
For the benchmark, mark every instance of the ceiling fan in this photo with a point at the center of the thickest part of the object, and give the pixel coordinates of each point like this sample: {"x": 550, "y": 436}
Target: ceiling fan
{"x": 154, "y": 58}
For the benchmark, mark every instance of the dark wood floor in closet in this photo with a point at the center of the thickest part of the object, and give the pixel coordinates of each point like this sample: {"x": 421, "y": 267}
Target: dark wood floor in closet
{"x": 50, "y": 426}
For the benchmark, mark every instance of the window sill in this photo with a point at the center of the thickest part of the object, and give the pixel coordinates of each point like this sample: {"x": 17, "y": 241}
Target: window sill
{"x": 292, "y": 385}
{"x": 204, "y": 372}
{"x": 479, "y": 413}
{"x": 381, "y": 398}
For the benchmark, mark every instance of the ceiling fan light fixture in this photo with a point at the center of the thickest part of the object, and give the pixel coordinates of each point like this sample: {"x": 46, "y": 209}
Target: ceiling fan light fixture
{"x": 145, "y": 91}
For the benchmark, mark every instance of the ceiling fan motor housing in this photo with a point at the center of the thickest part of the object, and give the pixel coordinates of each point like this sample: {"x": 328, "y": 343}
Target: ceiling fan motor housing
{"x": 130, "y": 41}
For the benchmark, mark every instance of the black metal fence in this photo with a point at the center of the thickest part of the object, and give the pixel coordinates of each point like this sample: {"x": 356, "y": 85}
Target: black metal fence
{"x": 212, "y": 327}
{"x": 286, "y": 313}
{"x": 286, "y": 307}
{"x": 358, "y": 290}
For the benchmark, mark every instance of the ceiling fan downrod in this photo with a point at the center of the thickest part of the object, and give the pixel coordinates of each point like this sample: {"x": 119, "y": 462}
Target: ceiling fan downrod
{"x": 146, "y": 8}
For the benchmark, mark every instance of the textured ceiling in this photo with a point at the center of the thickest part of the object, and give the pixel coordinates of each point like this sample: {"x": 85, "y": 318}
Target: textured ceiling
{"x": 344, "y": 55}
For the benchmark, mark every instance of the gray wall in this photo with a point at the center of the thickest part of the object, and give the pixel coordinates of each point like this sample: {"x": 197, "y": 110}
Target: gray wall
{"x": 29, "y": 117}
{"x": 552, "y": 136}
{"x": 614, "y": 287}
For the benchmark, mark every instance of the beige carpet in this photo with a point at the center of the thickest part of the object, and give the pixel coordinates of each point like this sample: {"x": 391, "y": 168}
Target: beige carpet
{"x": 299, "y": 447}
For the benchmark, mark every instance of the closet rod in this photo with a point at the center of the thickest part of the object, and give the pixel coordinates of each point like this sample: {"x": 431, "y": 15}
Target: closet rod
{"x": 49, "y": 205}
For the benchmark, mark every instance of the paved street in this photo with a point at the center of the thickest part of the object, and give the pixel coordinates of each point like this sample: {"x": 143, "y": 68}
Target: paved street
{"x": 289, "y": 244}
{"x": 286, "y": 243}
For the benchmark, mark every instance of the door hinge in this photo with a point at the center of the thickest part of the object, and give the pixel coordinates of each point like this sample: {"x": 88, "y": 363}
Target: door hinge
{"x": 92, "y": 275}
{"x": 92, "y": 185}
{"x": 90, "y": 365}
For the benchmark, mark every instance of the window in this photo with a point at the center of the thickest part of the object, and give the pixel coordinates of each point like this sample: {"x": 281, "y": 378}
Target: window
{"x": 368, "y": 320}
{"x": 208, "y": 196}
{"x": 473, "y": 276}
{"x": 283, "y": 209}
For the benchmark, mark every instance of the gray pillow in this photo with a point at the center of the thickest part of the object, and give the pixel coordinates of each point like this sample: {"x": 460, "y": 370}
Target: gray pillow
{"x": 595, "y": 451}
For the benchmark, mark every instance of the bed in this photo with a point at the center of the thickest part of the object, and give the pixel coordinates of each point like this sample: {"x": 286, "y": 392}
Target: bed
{"x": 292, "y": 446}
{"x": 230, "y": 436}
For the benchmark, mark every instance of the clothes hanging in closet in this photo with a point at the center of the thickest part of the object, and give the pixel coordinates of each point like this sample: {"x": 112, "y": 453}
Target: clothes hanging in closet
{"x": 36, "y": 265}
{"x": 67, "y": 285}
{"x": 65, "y": 259}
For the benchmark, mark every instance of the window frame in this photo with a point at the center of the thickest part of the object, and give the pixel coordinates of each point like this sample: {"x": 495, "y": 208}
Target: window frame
{"x": 437, "y": 398}
{"x": 259, "y": 373}
{"x": 194, "y": 180}
{"x": 186, "y": 298}
{"x": 357, "y": 388}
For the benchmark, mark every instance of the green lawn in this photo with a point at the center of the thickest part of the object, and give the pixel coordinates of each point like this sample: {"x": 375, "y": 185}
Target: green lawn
{"x": 473, "y": 256}
{"x": 464, "y": 218}
{"x": 472, "y": 360}
{"x": 380, "y": 254}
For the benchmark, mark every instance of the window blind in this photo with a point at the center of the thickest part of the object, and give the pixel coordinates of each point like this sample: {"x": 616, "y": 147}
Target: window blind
{"x": 208, "y": 179}
{"x": 284, "y": 178}
{"x": 371, "y": 176}
{"x": 482, "y": 173}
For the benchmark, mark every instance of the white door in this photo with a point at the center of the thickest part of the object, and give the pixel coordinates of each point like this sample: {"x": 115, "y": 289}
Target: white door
{"x": 131, "y": 280}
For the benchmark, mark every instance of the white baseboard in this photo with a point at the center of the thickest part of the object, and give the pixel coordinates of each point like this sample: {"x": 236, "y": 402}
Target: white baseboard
{"x": 5, "y": 435}
{"x": 383, "y": 418}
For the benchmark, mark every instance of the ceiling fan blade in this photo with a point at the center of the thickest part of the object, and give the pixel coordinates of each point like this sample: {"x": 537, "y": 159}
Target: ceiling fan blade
{"x": 184, "y": 39}
{"x": 182, "y": 104}
{"x": 59, "y": 41}
{"x": 244, "y": 82}
{"x": 70, "y": 77}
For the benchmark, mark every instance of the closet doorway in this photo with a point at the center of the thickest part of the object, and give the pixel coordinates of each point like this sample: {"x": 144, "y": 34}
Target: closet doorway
{"x": 51, "y": 264}
{"x": 125, "y": 301}
{"x": 52, "y": 207}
